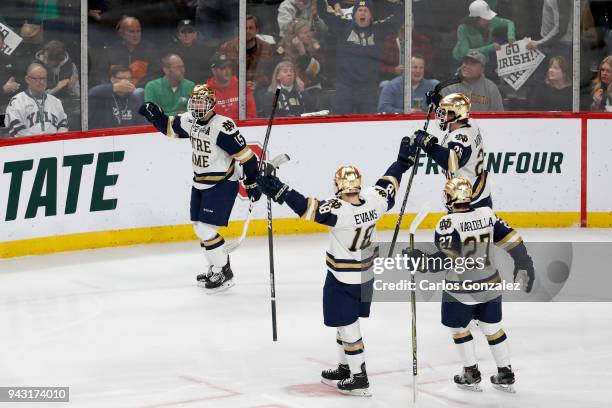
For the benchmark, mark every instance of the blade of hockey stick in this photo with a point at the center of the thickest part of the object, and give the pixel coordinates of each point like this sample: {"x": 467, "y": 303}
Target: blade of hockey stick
{"x": 419, "y": 218}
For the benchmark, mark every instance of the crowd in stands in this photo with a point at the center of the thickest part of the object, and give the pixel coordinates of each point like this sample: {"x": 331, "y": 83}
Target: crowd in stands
{"x": 344, "y": 56}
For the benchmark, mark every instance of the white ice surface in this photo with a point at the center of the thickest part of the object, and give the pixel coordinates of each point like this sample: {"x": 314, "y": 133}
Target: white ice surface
{"x": 127, "y": 327}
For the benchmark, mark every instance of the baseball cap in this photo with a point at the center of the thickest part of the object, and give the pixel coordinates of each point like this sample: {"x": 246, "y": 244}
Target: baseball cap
{"x": 185, "y": 25}
{"x": 480, "y": 8}
{"x": 476, "y": 56}
{"x": 220, "y": 61}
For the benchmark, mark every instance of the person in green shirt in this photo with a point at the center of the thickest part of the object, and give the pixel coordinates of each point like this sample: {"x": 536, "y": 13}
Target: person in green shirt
{"x": 477, "y": 33}
{"x": 172, "y": 91}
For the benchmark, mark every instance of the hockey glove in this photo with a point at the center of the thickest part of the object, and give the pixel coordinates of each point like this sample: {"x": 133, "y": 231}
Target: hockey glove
{"x": 419, "y": 258}
{"x": 252, "y": 190}
{"x": 407, "y": 152}
{"x": 273, "y": 188}
{"x": 424, "y": 140}
{"x": 525, "y": 276}
{"x": 433, "y": 97}
{"x": 150, "y": 111}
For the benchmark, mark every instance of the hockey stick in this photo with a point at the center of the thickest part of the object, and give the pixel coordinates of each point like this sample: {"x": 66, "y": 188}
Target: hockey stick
{"x": 229, "y": 248}
{"x": 271, "y": 167}
{"x": 454, "y": 80}
{"x": 405, "y": 201}
{"x": 270, "y": 235}
{"x": 413, "y": 226}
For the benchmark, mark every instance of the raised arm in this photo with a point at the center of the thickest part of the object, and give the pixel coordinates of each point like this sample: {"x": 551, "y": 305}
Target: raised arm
{"x": 326, "y": 12}
{"x": 168, "y": 125}
{"x": 308, "y": 208}
{"x": 390, "y": 181}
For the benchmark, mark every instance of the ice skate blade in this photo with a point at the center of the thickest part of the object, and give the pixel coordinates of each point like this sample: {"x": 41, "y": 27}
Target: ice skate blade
{"x": 225, "y": 286}
{"x": 505, "y": 388}
{"x": 473, "y": 388}
{"x": 331, "y": 383}
{"x": 364, "y": 392}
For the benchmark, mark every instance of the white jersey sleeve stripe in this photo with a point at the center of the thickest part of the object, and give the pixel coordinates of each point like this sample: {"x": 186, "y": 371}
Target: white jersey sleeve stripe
{"x": 513, "y": 244}
{"x": 510, "y": 241}
{"x": 311, "y": 209}
{"x": 453, "y": 161}
{"x": 169, "y": 130}
{"x": 244, "y": 155}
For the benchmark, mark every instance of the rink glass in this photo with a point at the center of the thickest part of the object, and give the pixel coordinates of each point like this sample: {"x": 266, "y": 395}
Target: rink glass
{"x": 432, "y": 30}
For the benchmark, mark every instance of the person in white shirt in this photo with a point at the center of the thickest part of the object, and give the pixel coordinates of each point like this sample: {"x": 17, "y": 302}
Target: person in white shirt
{"x": 33, "y": 111}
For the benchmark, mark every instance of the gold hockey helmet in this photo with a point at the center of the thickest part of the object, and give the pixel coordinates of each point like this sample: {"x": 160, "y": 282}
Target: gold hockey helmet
{"x": 458, "y": 104}
{"x": 347, "y": 180}
{"x": 202, "y": 101}
{"x": 457, "y": 191}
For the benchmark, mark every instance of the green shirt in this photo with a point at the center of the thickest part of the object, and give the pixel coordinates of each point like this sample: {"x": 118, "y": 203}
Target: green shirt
{"x": 172, "y": 103}
{"x": 470, "y": 38}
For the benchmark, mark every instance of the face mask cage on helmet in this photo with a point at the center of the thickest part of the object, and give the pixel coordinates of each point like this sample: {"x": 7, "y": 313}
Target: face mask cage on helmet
{"x": 200, "y": 105}
{"x": 442, "y": 118}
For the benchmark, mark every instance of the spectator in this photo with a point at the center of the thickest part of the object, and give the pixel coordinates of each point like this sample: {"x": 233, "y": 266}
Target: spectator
{"x": 392, "y": 96}
{"x": 291, "y": 10}
{"x": 63, "y": 81}
{"x": 226, "y": 87}
{"x": 483, "y": 93}
{"x": 291, "y": 100}
{"x": 130, "y": 51}
{"x": 392, "y": 58}
{"x": 479, "y": 31}
{"x": 556, "y": 29}
{"x": 259, "y": 58}
{"x": 8, "y": 76}
{"x": 194, "y": 52}
{"x": 301, "y": 48}
{"x": 33, "y": 111}
{"x": 359, "y": 47}
{"x": 602, "y": 86}
{"x": 217, "y": 20}
{"x": 172, "y": 91}
{"x": 115, "y": 104}
{"x": 555, "y": 94}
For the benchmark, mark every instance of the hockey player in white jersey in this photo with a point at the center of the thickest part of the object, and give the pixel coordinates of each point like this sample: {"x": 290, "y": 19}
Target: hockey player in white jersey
{"x": 352, "y": 216}
{"x": 218, "y": 149}
{"x": 461, "y": 153}
{"x": 466, "y": 232}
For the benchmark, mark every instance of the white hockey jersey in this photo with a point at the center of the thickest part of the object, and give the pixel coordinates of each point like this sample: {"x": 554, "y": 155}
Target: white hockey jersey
{"x": 216, "y": 145}
{"x": 469, "y": 235}
{"x": 28, "y": 116}
{"x": 467, "y": 159}
{"x": 352, "y": 227}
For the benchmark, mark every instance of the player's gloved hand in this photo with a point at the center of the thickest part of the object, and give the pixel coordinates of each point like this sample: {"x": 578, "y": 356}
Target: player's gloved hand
{"x": 417, "y": 255}
{"x": 433, "y": 97}
{"x": 252, "y": 190}
{"x": 524, "y": 275}
{"x": 273, "y": 188}
{"x": 424, "y": 140}
{"x": 150, "y": 111}
{"x": 407, "y": 152}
